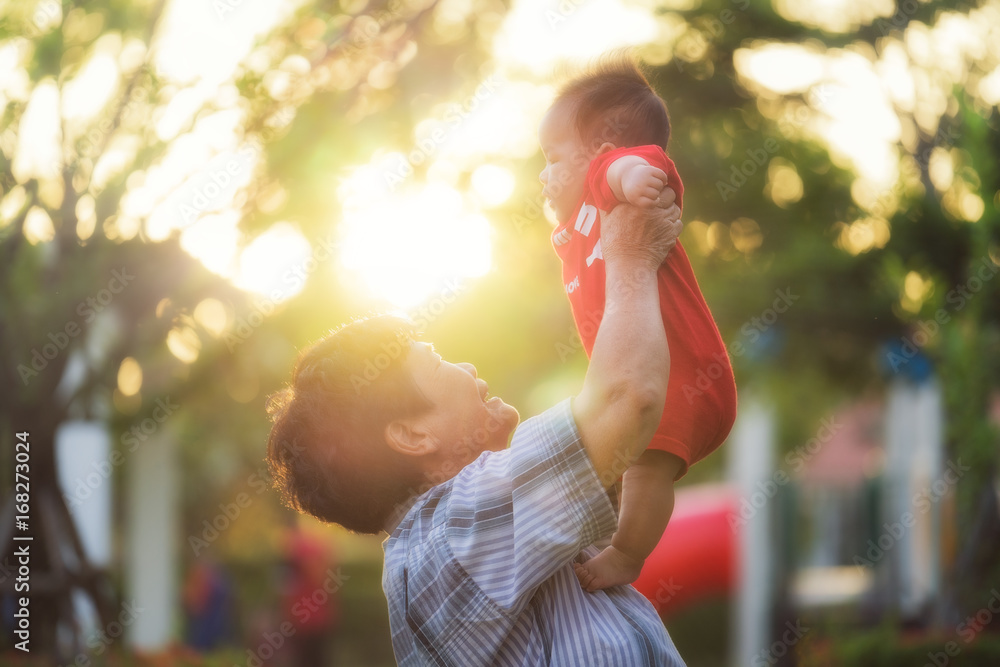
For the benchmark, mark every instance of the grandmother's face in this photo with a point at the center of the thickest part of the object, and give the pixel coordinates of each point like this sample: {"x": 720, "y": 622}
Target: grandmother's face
{"x": 463, "y": 422}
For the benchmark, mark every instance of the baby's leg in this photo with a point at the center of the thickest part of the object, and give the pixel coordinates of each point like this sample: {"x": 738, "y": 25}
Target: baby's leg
{"x": 647, "y": 502}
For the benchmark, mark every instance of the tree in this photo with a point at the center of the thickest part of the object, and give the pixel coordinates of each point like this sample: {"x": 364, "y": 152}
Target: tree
{"x": 100, "y": 301}
{"x": 877, "y": 273}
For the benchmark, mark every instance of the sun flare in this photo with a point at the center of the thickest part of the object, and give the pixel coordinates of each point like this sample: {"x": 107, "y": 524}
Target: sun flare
{"x": 409, "y": 246}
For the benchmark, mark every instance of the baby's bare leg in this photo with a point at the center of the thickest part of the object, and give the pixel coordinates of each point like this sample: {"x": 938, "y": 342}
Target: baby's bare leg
{"x": 647, "y": 501}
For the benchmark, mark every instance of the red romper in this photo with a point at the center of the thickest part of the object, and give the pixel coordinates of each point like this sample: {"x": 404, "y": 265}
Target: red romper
{"x": 701, "y": 392}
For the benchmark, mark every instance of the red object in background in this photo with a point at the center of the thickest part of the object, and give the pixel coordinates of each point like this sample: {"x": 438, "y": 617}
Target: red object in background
{"x": 308, "y": 601}
{"x": 697, "y": 555}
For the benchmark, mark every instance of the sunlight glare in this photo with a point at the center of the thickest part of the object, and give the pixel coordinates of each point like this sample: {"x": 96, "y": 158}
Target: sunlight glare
{"x": 38, "y": 226}
{"x": 989, "y": 87}
{"x": 38, "y": 151}
{"x": 129, "y": 376}
{"x": 179, "y": 111}
{"x": 941, "y": 168}
{"x": 406, "y": 247}
{"x": 189, "y": 183}
{"x": 184, "y": 343}
{"x": 12, "y": 203}
{"x": 207, "y": 40}
{"x": 849, "y": 103}
{"x": 211, "y": 314}
{"x": 784, "y": 185}
{"x": 916, "y": 290}
{"x": 272, "y": 263}
{"x": 213, "y": 241}
{"x": 863, "y": 235}
{"x": 834, "y": 15}
{"x": 493, "y": 184}
{"x": 780, "y": 68}
{"x": 538, "y": 34}
{"x": 89, "y": 91}
{"x": 498, "y": 117}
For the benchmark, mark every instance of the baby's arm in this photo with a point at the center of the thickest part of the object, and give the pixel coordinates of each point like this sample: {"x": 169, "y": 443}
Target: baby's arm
{"x": 635, "y": 181}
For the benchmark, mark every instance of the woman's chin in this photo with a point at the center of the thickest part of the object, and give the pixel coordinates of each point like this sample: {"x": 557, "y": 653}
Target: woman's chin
{"x": 506, "y": 416}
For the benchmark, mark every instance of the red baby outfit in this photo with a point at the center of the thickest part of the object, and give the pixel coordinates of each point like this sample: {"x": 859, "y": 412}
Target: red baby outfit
{"x": 701, "y": 393}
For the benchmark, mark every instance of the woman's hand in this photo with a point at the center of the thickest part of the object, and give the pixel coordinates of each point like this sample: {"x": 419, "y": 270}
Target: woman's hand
{"x": 644, "y": 235}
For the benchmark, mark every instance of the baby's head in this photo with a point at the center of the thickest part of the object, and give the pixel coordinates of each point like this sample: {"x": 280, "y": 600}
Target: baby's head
{"x": 609, "y": 105}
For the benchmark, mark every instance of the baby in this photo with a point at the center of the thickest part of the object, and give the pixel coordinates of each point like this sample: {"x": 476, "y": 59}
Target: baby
{"x": 604, "y": 141}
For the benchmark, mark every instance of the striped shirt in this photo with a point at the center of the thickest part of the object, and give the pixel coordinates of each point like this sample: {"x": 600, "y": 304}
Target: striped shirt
{"x": 479, "y": 571}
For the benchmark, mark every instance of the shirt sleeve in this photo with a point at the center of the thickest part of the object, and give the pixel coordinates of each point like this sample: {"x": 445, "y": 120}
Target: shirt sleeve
{"x": 597, "y": 175}
{"x": 515, "y": 517}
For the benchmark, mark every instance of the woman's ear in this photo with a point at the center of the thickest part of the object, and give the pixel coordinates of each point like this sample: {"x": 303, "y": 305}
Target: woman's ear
{"x": 406, "y": 437}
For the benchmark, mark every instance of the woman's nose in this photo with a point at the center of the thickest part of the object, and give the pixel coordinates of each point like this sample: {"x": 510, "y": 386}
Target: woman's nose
{"x": 543, "y": 176}
{"x": 468, "y": 368}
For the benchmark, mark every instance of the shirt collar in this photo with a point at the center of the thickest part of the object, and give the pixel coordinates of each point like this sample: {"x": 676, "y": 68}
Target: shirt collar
{"x": 398, "y": 514}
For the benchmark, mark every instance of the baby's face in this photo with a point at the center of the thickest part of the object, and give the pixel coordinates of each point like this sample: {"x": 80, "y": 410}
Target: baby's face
{"x": 566, "y": 160}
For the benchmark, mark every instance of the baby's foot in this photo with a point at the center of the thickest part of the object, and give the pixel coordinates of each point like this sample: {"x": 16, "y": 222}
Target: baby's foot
{"x": 609, "y": 568}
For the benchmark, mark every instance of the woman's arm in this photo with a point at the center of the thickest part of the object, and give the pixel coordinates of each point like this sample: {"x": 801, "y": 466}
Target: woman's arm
{"x": 621, "y": 402}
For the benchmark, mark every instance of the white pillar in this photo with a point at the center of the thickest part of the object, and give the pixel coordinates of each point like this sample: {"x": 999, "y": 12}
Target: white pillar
{"x": 84, "y": 470}
{"x": 751, "y": 464}
{"x": 153, "y": 536}
{"x": 915, "y": 488}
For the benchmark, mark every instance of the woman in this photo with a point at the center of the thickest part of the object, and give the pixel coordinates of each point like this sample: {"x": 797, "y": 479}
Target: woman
{"x": 378, "y": 433}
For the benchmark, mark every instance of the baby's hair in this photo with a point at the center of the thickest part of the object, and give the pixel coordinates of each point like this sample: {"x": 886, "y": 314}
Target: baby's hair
{"x": 613, "y": 101}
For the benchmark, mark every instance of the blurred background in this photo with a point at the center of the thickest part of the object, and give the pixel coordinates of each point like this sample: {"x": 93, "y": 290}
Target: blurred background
{"x": 191, "y": 191}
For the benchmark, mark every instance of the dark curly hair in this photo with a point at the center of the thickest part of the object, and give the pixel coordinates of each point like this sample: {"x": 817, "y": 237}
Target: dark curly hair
{"x": 327, "y": 452}
{"x": 613, "y": 101}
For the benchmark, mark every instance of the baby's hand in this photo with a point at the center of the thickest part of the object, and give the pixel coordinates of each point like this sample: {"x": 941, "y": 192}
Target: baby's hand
{"x": 642, "y": 183}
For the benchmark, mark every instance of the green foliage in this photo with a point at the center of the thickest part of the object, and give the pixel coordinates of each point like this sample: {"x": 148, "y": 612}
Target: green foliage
{"x": 886, "y": 648}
